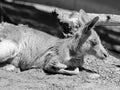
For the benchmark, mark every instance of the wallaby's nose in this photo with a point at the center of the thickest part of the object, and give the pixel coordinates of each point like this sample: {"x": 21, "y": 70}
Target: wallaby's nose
{"x": 105, "y": 55}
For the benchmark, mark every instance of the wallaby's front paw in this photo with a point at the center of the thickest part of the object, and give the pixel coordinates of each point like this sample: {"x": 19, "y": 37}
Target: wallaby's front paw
{"x": 59, "y": 65}
{"x": 69, "y": 72}
{"x": 77, "y": 71}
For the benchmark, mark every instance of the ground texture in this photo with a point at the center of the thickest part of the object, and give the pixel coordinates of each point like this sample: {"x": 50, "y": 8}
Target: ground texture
{"x": 36, "y": 79}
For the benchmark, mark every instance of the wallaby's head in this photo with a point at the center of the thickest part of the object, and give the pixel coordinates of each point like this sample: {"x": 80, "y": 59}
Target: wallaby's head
{"x": 89, "y": 41}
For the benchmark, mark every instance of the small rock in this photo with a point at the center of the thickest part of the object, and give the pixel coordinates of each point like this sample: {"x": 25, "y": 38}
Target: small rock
{"x": 94, "y": 76}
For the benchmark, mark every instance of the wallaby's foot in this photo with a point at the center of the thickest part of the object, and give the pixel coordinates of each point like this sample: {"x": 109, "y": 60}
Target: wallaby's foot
{"x": 10, "y": 67}
{"x": 69, "y": 72}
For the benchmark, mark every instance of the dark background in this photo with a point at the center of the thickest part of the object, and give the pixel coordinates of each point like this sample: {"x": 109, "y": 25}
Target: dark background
{"x": 98, "y": 6}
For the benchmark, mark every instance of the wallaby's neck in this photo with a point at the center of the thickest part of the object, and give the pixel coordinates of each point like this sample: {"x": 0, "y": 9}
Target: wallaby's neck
{"x": 73, "y": 44}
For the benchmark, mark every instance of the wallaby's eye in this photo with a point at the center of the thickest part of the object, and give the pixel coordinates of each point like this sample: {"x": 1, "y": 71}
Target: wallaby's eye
{"x": 93, "y": 43}
{"x": 76, "y": 26}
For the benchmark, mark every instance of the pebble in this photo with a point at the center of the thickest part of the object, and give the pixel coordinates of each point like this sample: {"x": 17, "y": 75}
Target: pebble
{"x": 94, "y": 76}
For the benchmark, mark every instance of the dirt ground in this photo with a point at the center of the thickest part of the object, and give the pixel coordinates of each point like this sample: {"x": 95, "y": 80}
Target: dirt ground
{"x": 36, "y": 79}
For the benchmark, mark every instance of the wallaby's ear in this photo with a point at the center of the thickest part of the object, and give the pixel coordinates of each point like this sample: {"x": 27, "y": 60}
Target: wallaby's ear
{"x": 91, "y": 24}
{"x": 83, "y": 18}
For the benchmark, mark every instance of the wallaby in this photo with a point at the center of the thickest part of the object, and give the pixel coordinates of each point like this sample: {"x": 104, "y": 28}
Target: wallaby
{"x": 26, "y": 48}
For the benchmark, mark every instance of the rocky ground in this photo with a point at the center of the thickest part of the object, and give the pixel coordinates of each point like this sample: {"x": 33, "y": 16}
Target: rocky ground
{"x": 107, "y": 77}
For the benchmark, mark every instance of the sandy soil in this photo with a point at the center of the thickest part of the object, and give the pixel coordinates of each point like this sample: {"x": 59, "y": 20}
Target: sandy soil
{"x": 36, "y": 79}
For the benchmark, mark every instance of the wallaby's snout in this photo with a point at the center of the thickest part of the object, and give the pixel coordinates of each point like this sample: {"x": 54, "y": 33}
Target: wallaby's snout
{"x": 105, "y": 55}
{"x": 102, "y": 53}
{"x": 97, "y": 49}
